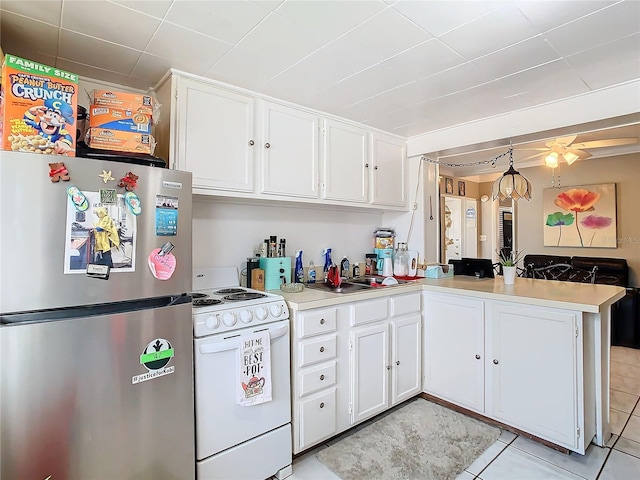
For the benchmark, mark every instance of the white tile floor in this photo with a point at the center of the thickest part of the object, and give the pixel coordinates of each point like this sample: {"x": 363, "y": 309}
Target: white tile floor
{"x": 517, "y": 458}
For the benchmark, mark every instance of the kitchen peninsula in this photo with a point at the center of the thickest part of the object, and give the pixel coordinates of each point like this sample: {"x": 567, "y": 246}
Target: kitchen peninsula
{"x": 533, "y": 356}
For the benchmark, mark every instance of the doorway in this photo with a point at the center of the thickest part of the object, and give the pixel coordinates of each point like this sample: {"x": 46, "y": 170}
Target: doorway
{"x": 459, "y": 228}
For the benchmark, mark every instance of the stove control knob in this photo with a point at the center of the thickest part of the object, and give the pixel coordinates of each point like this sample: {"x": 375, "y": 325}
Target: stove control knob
{"x": 275, "y": 310}
{"x": 261, "y": 313}
{"x": 245, "y": 316}
{"x": 229, "y": 319}
{"x": 212, "y": 322}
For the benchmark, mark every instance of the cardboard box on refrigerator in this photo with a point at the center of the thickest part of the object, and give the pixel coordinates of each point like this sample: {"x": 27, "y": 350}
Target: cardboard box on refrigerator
{"x": 136, "y": 102}
{"x": 106, "y": 139}
{"x": 119, "y": 119}
{"x": 38, "y": 109}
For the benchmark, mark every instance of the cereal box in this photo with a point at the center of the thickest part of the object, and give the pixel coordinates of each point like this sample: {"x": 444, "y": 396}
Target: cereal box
{"x": 106, "y": 139}
{"x": 137, "y": 102}
{"x": 39, "y": 108}
{"x": 118, "y": 119}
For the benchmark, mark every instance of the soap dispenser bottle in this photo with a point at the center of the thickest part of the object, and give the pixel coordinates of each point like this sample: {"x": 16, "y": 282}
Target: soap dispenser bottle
{"x": 344, "y": 268}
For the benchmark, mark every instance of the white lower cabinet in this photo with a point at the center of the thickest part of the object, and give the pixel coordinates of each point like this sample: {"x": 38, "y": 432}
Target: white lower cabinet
{"x": 352, "y": 361}
{"x": 522, "y": 366}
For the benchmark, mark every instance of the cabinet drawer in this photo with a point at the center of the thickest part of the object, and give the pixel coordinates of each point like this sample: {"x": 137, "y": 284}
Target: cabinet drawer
{"x": 317, "y": 378}
{"x": 314, "y": 351}
{"x": 404, "y": 304}
{"x": 370, "y": 311}
{"x": 317, "y": 418}
{"x": 317, "y": 322}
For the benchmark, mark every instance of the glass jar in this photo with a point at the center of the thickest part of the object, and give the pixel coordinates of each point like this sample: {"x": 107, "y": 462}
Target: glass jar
{"x": 401, "y": 259}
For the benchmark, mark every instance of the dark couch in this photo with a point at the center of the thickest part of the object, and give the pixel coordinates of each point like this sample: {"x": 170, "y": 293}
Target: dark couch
{"x": 625, "y": 313}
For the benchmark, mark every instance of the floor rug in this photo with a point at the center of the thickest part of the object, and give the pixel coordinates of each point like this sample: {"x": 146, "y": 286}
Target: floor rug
{"x": 421, "y": 440}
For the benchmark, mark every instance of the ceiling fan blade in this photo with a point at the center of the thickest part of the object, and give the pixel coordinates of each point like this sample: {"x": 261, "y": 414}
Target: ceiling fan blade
{"x": 612, "y": 142}
{"x": 565, "y": 141}
{"x": 579, "y": 153}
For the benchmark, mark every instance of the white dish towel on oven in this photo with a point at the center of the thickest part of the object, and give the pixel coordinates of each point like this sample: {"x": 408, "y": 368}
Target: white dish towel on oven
{"x": 254, "y": 368}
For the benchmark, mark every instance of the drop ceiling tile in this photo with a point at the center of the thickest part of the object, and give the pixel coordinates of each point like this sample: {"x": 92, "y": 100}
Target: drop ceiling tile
{"x": 609, "y": 64}
{"x": 439, "y": 17}
{"x": 152, "y": 67}
{"x": 155, "y": 8}
{"x": 269, "y": 4}
{"x": 612, "y": 23}
{"x": 423, "y": 60}
{"x": 227, "y": 21}
{"x": 533, "y": 85}
{"x": 490, "y": 99}
{"x": 42, "y": 39}
{"x": 87, "y": 50}
{"x": 20, "y": 51}
{"x": 526, "y": 54}
{"x": 329, "y": 20}
{"x": 47, "y": 11}
{"x": 493, "y": 31}
{"x": 92, "y": 72}
{"x": 186, "y": 46}
{"x": 459, "y": 78}
{"x": 133, "y": 30}
{"x": 138, "y": 83}
{"x": 547, "y": 15}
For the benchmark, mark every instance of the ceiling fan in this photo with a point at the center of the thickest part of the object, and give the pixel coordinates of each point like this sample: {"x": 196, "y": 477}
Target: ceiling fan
{"x": 563, "y": 147}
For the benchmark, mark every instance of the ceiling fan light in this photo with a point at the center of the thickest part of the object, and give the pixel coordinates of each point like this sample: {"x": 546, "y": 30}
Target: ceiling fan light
{"x": 551, "y": 160}
{"x": 570, "y": 157}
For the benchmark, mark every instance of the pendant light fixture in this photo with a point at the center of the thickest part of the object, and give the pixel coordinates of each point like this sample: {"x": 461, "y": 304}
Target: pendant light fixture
{"x": 511, "y": 184}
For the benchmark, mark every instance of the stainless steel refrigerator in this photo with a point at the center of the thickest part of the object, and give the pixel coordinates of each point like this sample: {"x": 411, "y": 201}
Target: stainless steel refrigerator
{"x": 96, "y": 356}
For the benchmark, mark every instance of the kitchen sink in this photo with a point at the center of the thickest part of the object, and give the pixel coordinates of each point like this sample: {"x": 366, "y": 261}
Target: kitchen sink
{"x": 345, "y": 287}
{"x": 375, "y": 280}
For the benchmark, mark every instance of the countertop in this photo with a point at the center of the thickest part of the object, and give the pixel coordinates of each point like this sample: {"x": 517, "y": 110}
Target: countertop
{"x": 583, "y": 297}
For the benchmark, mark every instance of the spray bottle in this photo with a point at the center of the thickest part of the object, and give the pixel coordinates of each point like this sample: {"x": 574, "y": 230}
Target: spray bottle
{"x": 299, "y": 270}
{"x": 311, "y": 272}
{"x": 327, "y": 263}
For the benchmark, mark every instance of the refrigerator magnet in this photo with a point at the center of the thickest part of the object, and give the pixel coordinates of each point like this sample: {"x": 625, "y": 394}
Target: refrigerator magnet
{"x": 106, "y": 176}
{"x": 166, "y": 215}
{"x": 129, "y": 181}
{"x": 108, "y": 196}
{"x": 78, "y": 198}
{"x": 133, "y": 202}
{"x": 155, "y": 358}
{"x": 57, "y": 172}
{"x": 162, "y": 262}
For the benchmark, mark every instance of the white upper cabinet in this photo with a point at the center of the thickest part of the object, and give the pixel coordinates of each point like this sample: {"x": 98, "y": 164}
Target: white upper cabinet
{"x": 388, "y": 175}
{"x": 215, "y": 132}
{"x": 289, "y": 145}
{"x": 345, "y": 162}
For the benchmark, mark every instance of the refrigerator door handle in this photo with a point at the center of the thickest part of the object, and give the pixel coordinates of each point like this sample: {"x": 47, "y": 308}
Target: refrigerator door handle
{"x": 231, "y": 343}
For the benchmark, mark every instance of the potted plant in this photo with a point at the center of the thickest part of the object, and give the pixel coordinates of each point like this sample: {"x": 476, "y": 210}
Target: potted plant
{"x": 508, "y": 263}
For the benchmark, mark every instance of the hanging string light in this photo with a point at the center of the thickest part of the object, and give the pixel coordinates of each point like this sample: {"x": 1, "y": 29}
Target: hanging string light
{"x": 511, "y": 184}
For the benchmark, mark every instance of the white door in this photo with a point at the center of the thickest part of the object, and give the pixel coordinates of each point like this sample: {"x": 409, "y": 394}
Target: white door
{"x": 289, "y": 151}
{"x": 454, "y": 350}
{"x": 370, "y": 371}
{"x": 220, "y": 422}
{"x": 215, "y": 135}
{"x": 346, "y": 162}
{"x": 452, "y": 228}
{"x": 388, "y": 177}
{"x": 534, "y": 360}
{"x": 470, "y": 228}
{"x": 406, "y": 369}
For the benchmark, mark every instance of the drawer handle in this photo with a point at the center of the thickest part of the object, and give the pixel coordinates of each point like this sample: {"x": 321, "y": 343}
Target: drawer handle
{"x": 321, "y": 349}
{"x": 322, "y": 405}
{"x": 251, "y": 143}
{"x": 477, "y": 357}
{"x": 267, "y": 145}
{"x": 321, "y": 377}
{"x": 397, "y": 362}
{"x": 322, "y": 321}
{"x": 495, "y": 361}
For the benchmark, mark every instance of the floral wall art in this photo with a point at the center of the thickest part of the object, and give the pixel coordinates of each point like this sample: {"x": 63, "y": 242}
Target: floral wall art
{"x": 580, "y": 216}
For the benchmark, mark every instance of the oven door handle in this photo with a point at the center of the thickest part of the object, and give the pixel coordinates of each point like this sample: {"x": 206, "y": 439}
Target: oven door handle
{"x": 232, "y": 343}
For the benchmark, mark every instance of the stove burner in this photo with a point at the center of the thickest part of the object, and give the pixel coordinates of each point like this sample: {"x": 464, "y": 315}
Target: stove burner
{"x": 205, "y": 302}
{"x": 230, "y": 290}
{"x": 199, "y": 295}
{"x": 244, "y": 296}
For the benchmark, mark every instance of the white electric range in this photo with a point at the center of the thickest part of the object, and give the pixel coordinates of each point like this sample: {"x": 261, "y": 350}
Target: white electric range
{"x": 234, "y": 441}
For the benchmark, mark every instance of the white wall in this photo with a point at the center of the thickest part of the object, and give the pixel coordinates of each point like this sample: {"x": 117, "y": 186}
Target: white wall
{"x": 225, "y": 232}
{"x": 624, "y": 171}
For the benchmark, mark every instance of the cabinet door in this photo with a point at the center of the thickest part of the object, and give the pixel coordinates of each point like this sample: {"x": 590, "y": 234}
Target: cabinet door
{"x": 345, "y": 162}
{"x": 454, "y": 350}
{"x": 405, "y": 358}
{"x": 389, "y": 171}
{"x": 214, "y": 136}
{"x": 370, "y": 371}
{"x": 289, "y": 151}
{"x": 317, "y": 418}
{"x": 535, "y": 357}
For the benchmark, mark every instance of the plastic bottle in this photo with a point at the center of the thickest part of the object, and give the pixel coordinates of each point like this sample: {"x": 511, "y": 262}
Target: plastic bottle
{"x": 356, "y": 270}
{"x": 282, "y": 247}
{"x": 311, "y": 272}
{"x": 344, "y": 267}
{"x": 273, "y": 246}
{"x": 327, "y": 262}
{"x": 299, "y": 271}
